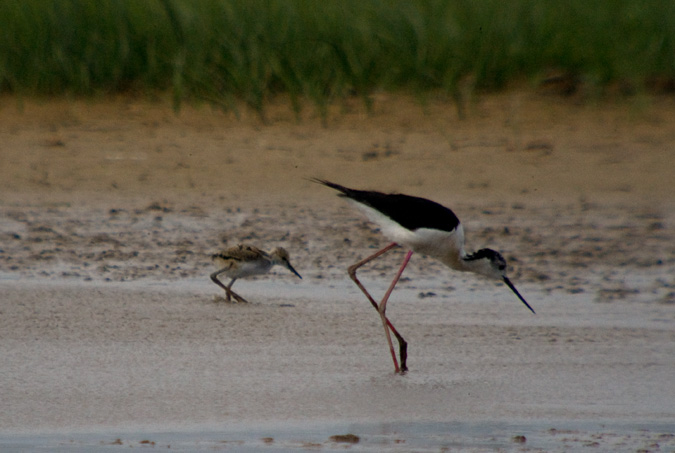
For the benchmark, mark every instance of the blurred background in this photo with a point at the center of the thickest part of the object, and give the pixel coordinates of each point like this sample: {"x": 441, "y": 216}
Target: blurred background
{"x": 223, "y": 52}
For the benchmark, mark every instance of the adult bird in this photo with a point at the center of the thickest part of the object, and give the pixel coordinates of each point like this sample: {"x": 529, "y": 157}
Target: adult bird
{"x": 425, "y": 227}
{"x": 245, "y": 261}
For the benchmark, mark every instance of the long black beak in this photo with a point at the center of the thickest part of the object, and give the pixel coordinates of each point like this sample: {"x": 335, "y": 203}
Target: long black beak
{"x": 513, "y": 288}
{"x": 290, "y": 268}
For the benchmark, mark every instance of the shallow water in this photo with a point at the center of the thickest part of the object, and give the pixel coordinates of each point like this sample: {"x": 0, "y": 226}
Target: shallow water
{"x": 90, "y": 366}
{"x": 370, "y": 436}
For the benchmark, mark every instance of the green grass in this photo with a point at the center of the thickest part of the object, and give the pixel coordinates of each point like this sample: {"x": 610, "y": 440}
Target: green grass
{"x": 228, "y": 51}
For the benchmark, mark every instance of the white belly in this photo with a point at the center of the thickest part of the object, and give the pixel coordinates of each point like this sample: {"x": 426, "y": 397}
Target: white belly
{"x": 446, "y": 246}
{"x": 248, "y": 269}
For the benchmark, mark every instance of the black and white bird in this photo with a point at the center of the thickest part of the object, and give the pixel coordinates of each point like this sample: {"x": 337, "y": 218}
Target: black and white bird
{"x": 246, "y": 261}
{"x": 425, "y": 227}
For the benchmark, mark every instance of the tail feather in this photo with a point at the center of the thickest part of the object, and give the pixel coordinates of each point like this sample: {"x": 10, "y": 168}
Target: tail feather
{"x": 342, "y": 189}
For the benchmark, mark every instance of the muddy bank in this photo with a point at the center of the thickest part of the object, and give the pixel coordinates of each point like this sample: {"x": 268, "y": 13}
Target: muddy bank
{"x": 109, "y": 323}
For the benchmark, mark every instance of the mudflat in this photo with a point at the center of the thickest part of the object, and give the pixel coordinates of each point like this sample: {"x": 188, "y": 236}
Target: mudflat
{"x": 112, "y": 333}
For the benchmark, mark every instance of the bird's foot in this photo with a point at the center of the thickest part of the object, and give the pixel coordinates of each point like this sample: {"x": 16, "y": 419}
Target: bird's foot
{"x": 229, "y": 300}
{"x": 239, "y": 299}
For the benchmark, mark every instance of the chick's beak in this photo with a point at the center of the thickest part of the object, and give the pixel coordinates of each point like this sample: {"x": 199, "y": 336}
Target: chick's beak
{"x": 290, "y": 268}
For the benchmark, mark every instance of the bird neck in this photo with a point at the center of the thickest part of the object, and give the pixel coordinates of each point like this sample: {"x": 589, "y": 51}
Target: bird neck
{"x": 455, "y": 259}
{"x": 274, "y": 260}
{"x": 480, "y": 266}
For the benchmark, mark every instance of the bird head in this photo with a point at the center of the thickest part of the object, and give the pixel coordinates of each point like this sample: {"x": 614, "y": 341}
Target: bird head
{"x": 492, "y": 264}
{"x": 280, "y": 256}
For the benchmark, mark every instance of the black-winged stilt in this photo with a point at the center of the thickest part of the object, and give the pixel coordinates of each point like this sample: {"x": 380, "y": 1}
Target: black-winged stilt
{"x": 245, "y": 261}
{"x": 422, "y": 226}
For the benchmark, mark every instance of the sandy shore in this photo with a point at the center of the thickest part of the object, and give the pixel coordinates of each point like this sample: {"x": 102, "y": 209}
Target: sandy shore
{"x": 165, "y": 362}
{"x": 112, "y": 334}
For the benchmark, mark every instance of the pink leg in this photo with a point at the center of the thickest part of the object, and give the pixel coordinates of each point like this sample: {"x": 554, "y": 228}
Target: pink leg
{"x": 403, "y": 351}
{"x": 403, "y": 345}
{"x": 383, "y": 303}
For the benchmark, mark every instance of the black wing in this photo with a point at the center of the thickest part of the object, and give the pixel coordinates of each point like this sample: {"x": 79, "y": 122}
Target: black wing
{"x": 410, "y": 212}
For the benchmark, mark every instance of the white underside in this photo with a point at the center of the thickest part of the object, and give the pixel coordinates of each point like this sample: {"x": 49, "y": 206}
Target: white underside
{"x": 445, "y": 246}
